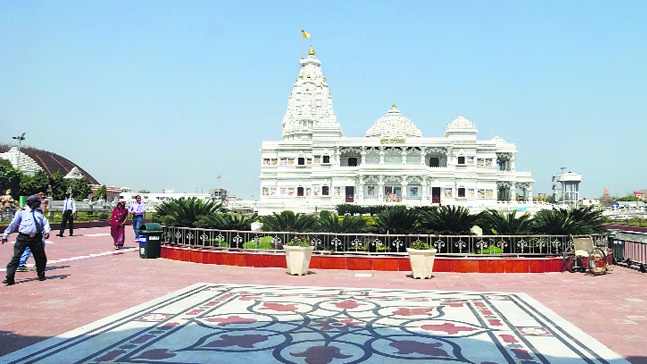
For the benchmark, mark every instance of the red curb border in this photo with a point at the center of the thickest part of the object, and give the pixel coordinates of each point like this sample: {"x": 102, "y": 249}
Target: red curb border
{"x": 351, "y": 262}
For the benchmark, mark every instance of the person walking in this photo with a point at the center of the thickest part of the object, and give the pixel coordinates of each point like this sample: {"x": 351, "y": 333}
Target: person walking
{"x": 22, "y": 265}
{"x": 118, "y": 224}
{"x": 137, "y": 210}
{"x": 32, "y": 227}
{"x": 69, "y": 209}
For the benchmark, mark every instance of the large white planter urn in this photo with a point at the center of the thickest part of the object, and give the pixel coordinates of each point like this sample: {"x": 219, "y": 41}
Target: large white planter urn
{"x": 422, "y": 262}
{"x": 298, "y": 259}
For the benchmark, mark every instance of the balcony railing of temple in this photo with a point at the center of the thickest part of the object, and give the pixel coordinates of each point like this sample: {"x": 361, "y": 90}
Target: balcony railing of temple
{"x": 375, "y": 244}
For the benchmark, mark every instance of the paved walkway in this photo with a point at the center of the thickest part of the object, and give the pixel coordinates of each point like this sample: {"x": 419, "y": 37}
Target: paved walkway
{"x": 88, "y": 282}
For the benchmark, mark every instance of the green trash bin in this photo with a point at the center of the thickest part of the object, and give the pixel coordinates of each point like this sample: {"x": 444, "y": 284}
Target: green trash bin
{"x": 150, "y": 239}
{"x": 618, "y": 246}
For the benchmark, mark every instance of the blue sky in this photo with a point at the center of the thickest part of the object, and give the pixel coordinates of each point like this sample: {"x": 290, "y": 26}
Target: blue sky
{"x": 181, "y": 94}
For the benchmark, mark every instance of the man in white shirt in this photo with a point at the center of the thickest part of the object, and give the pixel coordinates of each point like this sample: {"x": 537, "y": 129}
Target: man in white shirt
{"x": 32, "y": 229}
{"x": 136, "y": 211}
{"x": 69, "y": 209}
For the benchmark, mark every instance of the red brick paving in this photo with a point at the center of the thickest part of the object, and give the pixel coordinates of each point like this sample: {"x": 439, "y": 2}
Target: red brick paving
{"x": 610, "y": 308}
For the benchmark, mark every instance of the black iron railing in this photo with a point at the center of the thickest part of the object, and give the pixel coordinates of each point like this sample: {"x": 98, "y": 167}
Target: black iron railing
{"x": 376, "y": 244}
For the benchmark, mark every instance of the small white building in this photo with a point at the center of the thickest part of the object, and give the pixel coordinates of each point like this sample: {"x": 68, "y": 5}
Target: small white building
{"x": 154, "y": 199}
{"x": 566, "y": 188}
{"x": 315, "y": 166}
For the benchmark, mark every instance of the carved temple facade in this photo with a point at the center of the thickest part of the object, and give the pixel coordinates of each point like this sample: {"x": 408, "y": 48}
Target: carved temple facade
{"x": 316, "y": 167}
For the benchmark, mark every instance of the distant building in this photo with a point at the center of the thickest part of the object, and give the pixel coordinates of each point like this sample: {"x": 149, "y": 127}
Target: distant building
{"x": 154, "y": 199}
{"x": 315, "y": 166}
{"x": 640, "y": 195}
{"x": 219, "y": 194}
{"x": 31, "y": 160}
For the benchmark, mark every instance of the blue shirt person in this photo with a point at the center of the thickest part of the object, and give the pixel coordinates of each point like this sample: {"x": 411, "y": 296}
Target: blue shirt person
{"x": 22, "y": 265}
{"x": 31, "y": 225}
{"x": 137, "y": 210}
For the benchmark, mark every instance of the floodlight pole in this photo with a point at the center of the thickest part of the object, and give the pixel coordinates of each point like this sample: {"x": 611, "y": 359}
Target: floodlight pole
{"x": 20, "y": 138}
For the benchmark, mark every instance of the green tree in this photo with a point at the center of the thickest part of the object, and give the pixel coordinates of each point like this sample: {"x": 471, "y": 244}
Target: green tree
{"x": 574, "y": 221}
{"x": 629, "y": 198}
{"x": 397, "y": 220}
{"x": 101, "y": 193}
{"x": 340, "y": 224}
{"x": 607, "y": 200}
{"x": 9, "y": 178}
{"x": 80, "y": 188}
{"x": 499, "y": 223}
{"x": 226, "y": 221}
{"x": 448, "y": 220}
{"x": 288, "y": 221}
{"x": 41, "y": 181}
{"x": 185, "y": 212}
{"x": 58, "y": 184}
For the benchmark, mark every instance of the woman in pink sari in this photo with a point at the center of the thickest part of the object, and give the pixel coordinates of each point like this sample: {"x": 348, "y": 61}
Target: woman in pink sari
{"x": 118, "y": 224}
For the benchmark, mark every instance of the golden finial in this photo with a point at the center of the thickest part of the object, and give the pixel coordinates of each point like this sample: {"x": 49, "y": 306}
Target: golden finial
{"x": 393, "y": 106}
{"x": 312, "y": 50}
{"x": 308, "y": 75}
{"x": 324, "y": 79}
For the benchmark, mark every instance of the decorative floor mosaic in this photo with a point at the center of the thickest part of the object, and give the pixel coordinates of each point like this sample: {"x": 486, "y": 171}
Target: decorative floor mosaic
{"x": 212, "y": 323}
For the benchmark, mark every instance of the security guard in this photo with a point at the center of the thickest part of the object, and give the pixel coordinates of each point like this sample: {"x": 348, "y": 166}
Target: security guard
{"x": 32, "y": 228}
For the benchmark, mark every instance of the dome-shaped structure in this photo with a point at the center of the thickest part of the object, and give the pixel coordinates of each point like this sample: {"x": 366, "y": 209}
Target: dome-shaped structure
{"x": 393, "y": 125}
{"x": 460, "y": 123}
{"x": 33, "y": 160}
{"x": 461, "y": 128}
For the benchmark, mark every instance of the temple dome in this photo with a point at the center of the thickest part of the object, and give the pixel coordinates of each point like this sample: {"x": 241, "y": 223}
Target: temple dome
{"x": 393, "y": 125}
{"x": 461, "y": 128}
{"x": 460, "y": 123}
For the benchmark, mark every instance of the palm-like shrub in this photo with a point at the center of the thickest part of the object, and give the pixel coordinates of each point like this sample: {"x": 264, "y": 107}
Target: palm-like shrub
{"x": 288, "y": 221}
{"x": 340, "y": 224}
{"x": 185, "y": 211}
{"x": 499, "y": 223}
{"x": 575, "y": 221}
{"x": 226, "y": 221}
{"x": 348, "y": 209}
{"x": 345, "y": 209}
{"x": 396, "y": 220}
{"x": 448, "y": 220}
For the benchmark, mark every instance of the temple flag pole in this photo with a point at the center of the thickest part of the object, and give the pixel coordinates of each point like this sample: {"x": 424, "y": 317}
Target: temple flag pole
{"x": 304, "y": 35}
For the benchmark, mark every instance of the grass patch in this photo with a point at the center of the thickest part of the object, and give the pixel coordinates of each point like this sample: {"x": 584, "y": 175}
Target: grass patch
{"x": 264, "y": 244}
{"x": 217, "y": 243}
{"x": 489, "y": 250}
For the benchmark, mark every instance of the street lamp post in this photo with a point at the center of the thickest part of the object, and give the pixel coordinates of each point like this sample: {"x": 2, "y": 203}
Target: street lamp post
{"x": 20, "y": 139}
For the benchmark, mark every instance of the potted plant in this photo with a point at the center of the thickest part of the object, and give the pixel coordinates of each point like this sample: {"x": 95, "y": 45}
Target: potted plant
{"x": 298, "y": 252}
{"x": 421, "y": 257}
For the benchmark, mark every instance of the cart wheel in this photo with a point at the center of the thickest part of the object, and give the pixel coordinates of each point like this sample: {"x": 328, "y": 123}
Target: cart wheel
{"x": 568, "y": 264}
{"x": 598, "y": 262}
